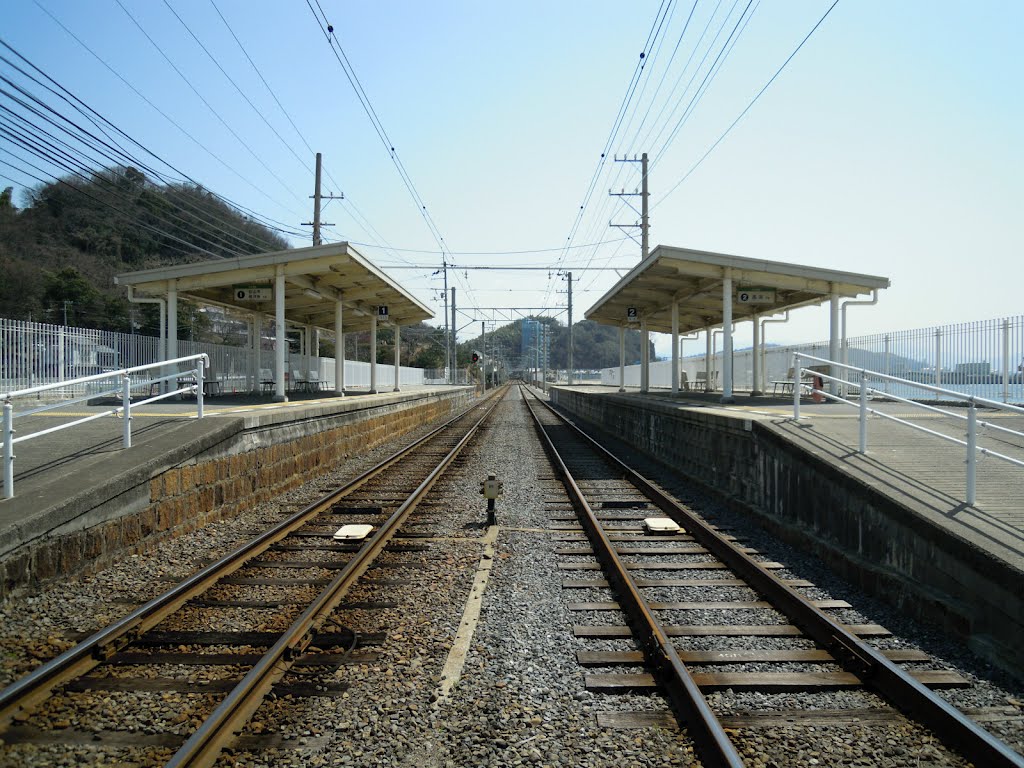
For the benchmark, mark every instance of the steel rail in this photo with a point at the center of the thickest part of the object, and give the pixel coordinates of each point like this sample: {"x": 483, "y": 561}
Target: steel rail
{"x": 693, "y": 710}
{"x": 89, "y": 653}
{"x": 206, "y": 743}
{"x": 874, "y": 669}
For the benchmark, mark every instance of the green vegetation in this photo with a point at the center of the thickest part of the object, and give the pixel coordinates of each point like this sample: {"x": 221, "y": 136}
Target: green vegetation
{"x": 59, "y": 252}
{"x": 594, "y": 345}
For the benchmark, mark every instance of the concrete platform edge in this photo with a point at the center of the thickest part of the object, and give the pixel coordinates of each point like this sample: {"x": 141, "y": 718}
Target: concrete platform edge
{"x": 891, "y": 547}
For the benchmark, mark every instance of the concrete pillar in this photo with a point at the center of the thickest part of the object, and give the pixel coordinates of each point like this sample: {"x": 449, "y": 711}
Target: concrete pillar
{"x": 172, "y": 320}
{"x": 339, "y": 349}
{"x": 833, "y": 339}
{"x": 255, "y": 332}
{"x": 398, "y": 356}
{"x": 645, "y": 357}
{"x": 281, "y": 342}
{"x": 172, "y": 331}
{"x": 755, "y": 361}
{"x": 727, "y": 337}
{"x": 707, "y": 359}
{"x": 622, "y": 358}
{"x": 675, "y": 347}
{"x": 373, "y": 353}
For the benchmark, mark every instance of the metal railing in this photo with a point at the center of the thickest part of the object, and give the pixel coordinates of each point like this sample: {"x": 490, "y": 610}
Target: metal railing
{"x": 865, "y": 390}
{"x": 984, "y": 358}
{"x": 188, "y": 380}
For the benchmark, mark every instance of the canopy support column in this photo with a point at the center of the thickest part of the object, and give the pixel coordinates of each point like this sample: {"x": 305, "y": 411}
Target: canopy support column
{"x": 339, "y": 349}
{"x": 727, "y": 337}
{"x": 398, "y": 356}
{"x": 622, "y": 358}
{"x": 675, "y": 347}
{"x": 373, "y": 354}
{"x": 833, "y": 339}
{"x": 708, "y": 337}
{"x": 172, "y": 328}
{"x": 281, "y": 341}
{"x": 645, "y": 357}
{"x": 755, "y": 361}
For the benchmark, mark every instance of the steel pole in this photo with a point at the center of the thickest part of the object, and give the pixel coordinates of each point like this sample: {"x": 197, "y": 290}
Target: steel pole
{"x": 126, "y": 404}
{"x": 972, "y": 452}
{"x": 8, "y": 450}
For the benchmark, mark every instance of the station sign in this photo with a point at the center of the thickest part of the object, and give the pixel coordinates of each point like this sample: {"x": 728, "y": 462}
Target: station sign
{"x": 252, "y": 292}
{"x": 632, "y": 315}
{"x": 756, "y": 295}
{"x": 382, "y": 310}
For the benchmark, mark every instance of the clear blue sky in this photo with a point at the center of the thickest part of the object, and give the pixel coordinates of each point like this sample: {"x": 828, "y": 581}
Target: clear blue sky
{"x": 892, "y": 144}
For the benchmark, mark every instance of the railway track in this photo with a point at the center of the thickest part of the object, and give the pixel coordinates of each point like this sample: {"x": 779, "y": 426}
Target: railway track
{"x": 660, "y": 584}
{"x": 261, "y": 617}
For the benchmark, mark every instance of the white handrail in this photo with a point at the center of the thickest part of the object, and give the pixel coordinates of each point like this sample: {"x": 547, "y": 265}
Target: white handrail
{"x": 125, "y": 409}
{"x": 971, "y": 442}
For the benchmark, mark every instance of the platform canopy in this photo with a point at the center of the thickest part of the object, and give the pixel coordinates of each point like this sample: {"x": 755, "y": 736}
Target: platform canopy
{"x": 695, "y": 280}
{"x": 315, "y": 279}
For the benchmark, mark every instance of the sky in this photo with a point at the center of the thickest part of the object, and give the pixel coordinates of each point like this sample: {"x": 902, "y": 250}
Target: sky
{"x": 892, "y": 143}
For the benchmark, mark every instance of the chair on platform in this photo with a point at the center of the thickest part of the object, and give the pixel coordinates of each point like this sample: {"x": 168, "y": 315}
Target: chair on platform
{"x": 299, "y": 383}
{"x": 313, "y": 383}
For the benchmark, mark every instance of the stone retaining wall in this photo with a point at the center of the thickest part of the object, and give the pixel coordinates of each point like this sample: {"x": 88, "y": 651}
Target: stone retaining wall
{"x": 245, "y": 463}
{"x": 866, "y": 536}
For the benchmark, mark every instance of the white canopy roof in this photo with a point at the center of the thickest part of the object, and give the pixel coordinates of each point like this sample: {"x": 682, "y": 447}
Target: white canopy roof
{"x": 315, "y": 278}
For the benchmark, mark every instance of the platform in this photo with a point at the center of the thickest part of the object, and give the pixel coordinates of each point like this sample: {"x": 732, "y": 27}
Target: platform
{"x": 80, "y": 480}
{"x": 894, "y": 519}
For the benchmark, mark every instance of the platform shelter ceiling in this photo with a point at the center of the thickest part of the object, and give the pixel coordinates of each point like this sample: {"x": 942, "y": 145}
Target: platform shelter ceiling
{"x": 315, "y": 277}
{"x": 695, "y": 279}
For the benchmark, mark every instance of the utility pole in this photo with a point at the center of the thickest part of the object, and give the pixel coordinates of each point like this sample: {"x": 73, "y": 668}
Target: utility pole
{"x": 644, "y": 224}
{"x": 455, "y": 349}
{"x": 544, "y": 355}
{"x": 483, "y": 353}
{"x": 448, "y": 364}
{"x": 568, "y": 276}
{"x": 317, "y": 197}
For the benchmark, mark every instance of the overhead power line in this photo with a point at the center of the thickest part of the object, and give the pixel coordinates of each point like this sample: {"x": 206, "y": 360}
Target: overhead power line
{"x": 746, "y": 109}
{"x": 375, "y": 121}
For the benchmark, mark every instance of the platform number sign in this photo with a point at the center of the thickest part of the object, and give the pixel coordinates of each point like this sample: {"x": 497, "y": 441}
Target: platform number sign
{"x": 382, "y": 311}
{"x": 253, "y": 292}
{"x": 631, "y": 314}
{"x": 756, "y": 296}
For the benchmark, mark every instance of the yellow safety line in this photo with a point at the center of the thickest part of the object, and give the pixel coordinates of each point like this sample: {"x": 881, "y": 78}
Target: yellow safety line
{"x": 456, "y": 660}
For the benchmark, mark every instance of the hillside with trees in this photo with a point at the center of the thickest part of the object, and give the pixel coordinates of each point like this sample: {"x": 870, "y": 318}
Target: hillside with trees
{"x": 595, "y": 346}
{"x": 59, "y": 252}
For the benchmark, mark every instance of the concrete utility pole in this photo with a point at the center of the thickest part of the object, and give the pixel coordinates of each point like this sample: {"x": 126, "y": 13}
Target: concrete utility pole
{"x": 568, "y": 276}
{"x": 448, "y": 364}
{"x": 455, "y": 349}
{"x": 317, "y": 197}
{"x": 644, "y": 225}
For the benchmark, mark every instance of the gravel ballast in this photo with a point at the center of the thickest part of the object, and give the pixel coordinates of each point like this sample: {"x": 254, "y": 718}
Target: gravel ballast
{"x": 521, "y": 698}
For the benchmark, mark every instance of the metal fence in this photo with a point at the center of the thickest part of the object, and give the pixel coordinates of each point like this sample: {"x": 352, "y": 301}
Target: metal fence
{"x": 982, "y": 358}
{"x": 33, "y": 354}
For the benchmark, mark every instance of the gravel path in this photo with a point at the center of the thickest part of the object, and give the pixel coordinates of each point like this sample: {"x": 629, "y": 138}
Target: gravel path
{"x": 520, "y": 699}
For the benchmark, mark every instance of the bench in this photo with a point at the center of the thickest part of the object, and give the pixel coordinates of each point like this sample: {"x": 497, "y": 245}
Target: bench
{"x": 806, "y": 380}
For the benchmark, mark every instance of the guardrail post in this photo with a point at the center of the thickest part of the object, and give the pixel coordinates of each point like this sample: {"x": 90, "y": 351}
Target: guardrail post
{"x": 126, "y": 404}
{"x": 863, "y": 447}
{"x": 8, "y": 450}
{"x": 199, "y": 386}
{"x": 1006, "y": 361}
{"x": 796, "y": 387}
{"x": 972, "y": 451}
